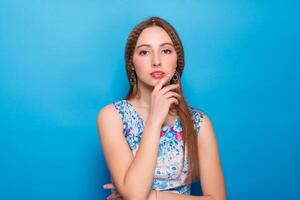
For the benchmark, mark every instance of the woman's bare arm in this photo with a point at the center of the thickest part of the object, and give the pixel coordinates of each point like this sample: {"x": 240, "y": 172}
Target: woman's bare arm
{"x": 133, "y": 176}
{"x": 211, "y": 175}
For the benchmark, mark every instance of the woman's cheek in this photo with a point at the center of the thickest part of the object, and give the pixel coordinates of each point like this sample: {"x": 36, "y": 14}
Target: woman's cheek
{"x": 140, "y": 62}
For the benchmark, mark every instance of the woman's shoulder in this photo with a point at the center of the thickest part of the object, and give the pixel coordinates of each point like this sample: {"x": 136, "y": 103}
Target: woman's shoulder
{"x": 117, "y": 108}
{"x": 196, "y": 111}
{"x": 108, "y": 117}
{"x": 113, "y": 106}
{"x": 198, "y": 116}
{"x": 106, "y": 110}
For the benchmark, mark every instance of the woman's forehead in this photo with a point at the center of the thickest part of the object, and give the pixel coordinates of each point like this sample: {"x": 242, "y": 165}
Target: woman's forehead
{"x": 154, "y": 36}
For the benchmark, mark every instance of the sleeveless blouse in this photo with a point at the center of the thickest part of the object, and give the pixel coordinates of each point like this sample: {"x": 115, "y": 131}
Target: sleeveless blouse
{"x": 171, "y": 170}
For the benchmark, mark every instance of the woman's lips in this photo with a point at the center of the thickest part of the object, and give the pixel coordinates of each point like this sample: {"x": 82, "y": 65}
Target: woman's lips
{"x": 157, "y": 75}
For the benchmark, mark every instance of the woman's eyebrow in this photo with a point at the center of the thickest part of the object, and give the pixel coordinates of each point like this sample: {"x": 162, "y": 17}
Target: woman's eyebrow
{"x": 162, "y": 44}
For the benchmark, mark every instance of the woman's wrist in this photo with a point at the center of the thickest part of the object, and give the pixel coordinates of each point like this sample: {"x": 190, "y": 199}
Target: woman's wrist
{"x": 153, "y": 124}
{"x": 151, "y": 119}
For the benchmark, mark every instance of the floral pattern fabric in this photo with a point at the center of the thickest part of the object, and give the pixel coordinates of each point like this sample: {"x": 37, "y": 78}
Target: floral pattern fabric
{"x": 171, "y": 169}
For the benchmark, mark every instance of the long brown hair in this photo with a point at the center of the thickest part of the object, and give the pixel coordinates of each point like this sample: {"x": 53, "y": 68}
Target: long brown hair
{"x": 189, "y": 134}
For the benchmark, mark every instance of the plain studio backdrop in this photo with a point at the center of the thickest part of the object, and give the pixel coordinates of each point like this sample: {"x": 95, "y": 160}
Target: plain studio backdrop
{"x": 62, "y": 61}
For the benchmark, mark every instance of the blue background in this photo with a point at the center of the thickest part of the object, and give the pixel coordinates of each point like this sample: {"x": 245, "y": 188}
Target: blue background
{"x": 62, "y": 61}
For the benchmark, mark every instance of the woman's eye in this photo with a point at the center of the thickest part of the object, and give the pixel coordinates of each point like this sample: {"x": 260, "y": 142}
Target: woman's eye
{"x": 167, "y": 51}
{"x": 142, "y": 52}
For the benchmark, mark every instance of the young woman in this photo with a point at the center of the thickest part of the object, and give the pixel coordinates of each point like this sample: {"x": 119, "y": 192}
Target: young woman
{"x": 154, "y": 143}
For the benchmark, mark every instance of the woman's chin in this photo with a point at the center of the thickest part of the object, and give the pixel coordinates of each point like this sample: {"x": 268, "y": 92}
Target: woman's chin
{"x": 153, "y": 82}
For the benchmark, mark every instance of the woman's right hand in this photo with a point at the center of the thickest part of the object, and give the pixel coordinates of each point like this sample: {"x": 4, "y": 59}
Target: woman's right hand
{"x": 161, "y": 100}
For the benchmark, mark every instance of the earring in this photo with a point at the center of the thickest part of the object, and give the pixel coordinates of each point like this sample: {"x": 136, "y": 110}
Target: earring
{"x": 132, "y": 79}
{"x": 175, "y": 77}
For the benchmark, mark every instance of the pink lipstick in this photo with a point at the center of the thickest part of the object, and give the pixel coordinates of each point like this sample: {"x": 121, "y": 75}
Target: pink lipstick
{"x": 157, "y": 74}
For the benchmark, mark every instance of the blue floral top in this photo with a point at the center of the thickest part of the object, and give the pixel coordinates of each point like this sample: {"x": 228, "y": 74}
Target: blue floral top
{"x": 170, "y": 171}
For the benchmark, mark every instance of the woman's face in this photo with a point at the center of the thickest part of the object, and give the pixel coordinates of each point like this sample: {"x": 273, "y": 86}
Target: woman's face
{"x": 154, "y": 51}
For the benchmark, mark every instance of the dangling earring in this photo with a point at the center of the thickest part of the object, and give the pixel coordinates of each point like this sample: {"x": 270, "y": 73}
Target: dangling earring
{"x": 175, "y": 77}
{"x": 132, "y": 79}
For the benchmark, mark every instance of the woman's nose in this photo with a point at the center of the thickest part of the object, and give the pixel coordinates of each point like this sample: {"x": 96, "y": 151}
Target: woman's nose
{"x": 156, "y": 60}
